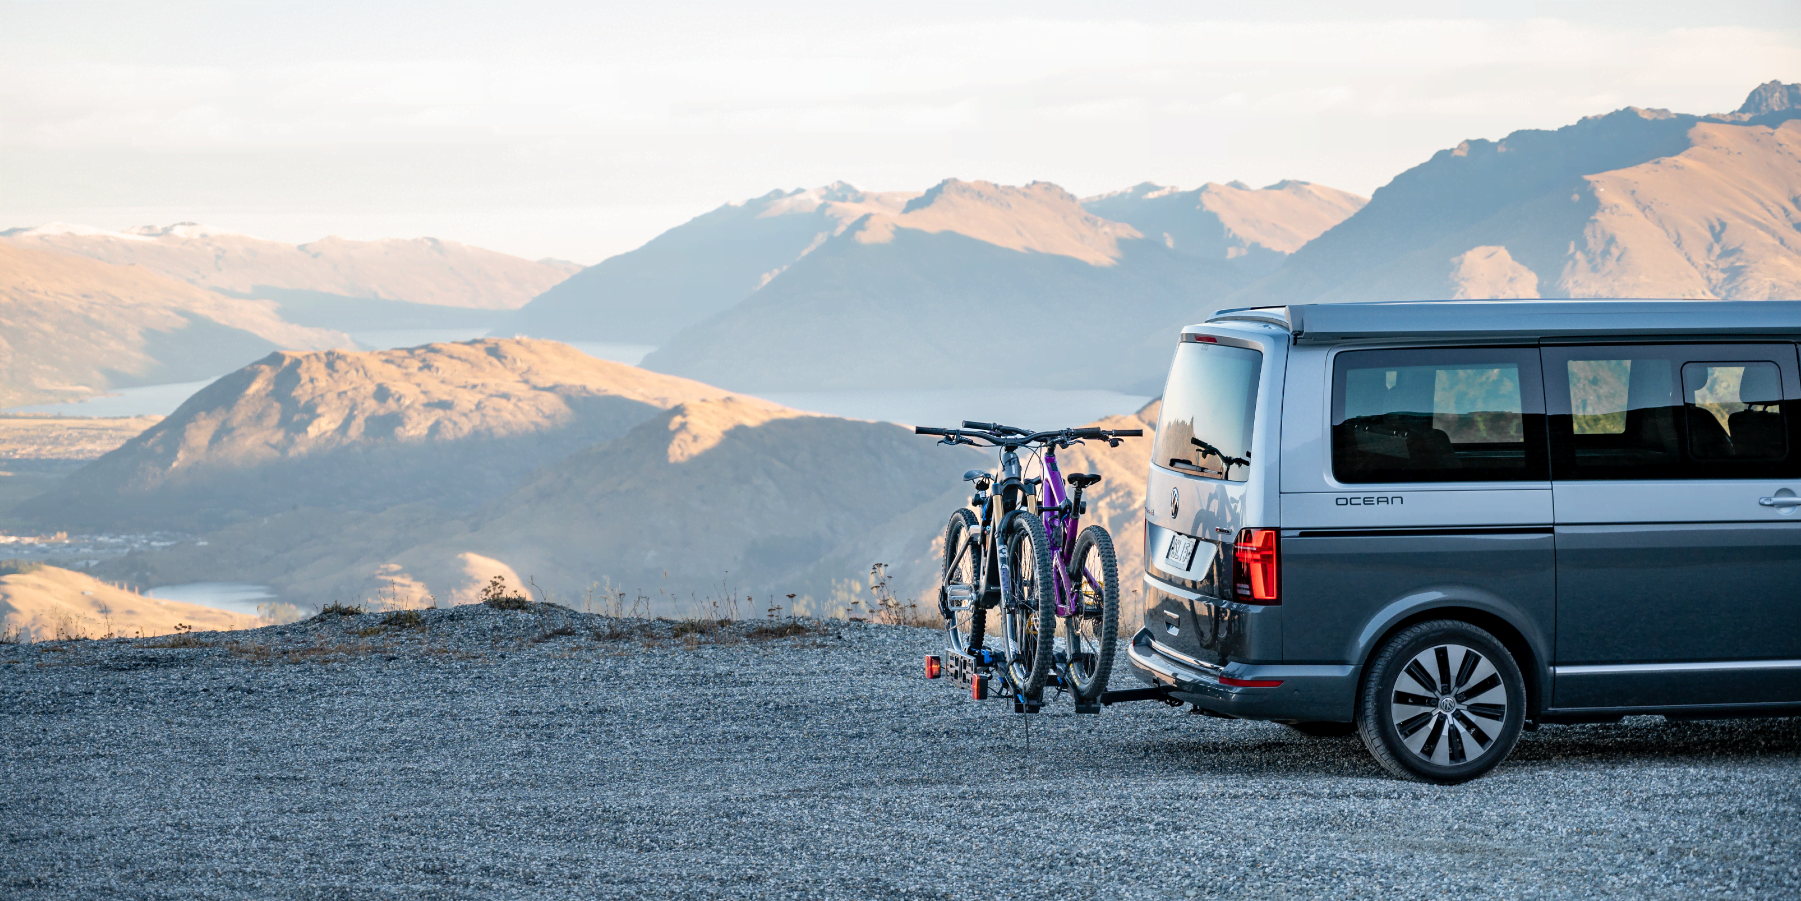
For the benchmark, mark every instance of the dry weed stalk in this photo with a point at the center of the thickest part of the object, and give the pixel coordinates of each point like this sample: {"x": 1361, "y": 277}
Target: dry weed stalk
{"x": 888, "y": 609}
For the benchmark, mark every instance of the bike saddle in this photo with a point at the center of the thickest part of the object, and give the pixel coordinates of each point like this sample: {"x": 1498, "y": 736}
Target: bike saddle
{"x": 1083, "y": 479}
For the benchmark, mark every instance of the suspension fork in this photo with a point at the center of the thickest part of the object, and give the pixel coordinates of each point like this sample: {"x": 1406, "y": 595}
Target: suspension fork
{"x": 1001, "y": 501}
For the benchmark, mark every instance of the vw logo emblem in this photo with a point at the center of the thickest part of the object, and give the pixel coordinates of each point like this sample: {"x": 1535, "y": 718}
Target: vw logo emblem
{"x": 1175, "y": 501}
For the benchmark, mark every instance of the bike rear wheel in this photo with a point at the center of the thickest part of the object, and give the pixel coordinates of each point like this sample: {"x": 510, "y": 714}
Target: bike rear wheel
{"x": 964, "y": 619}
{"x": 1029, "y": 594}
{"x": 1091, "y": 631}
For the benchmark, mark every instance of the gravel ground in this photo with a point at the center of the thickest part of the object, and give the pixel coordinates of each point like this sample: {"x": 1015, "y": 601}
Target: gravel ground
{"x": 483, "y": 754}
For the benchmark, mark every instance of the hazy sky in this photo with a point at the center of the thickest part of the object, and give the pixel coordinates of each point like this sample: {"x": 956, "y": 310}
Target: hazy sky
{"x": 581, "y": 130}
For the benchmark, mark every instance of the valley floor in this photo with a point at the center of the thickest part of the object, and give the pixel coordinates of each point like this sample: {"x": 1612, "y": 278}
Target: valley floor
{"x": 544, "y": 753}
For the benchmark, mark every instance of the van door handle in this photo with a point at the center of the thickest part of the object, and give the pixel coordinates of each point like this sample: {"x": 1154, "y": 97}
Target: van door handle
{"x": 1779, "y": 501}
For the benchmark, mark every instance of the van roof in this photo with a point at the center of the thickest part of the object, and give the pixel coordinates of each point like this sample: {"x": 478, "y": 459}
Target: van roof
{"x": 1438, "y": 319}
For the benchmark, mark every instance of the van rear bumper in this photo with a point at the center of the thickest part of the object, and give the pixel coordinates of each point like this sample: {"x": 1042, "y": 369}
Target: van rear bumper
{"x": 1307, "y": 693}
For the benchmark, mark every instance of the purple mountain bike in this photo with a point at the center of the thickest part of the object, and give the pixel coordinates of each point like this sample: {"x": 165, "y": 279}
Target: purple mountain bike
{"x": 1027, "y": 557}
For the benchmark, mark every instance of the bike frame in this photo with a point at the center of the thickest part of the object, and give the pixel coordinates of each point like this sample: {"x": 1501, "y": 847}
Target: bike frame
{"x": 1063, "y": 522}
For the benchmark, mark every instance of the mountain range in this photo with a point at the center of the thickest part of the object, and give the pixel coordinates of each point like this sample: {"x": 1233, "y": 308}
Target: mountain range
{"x": 417, "y": 271}
{"x": 332, "y": 474}
{"x": 1634, "y": 203}
{"x": 704, "y": 267}
{"x": 868, "y": 291}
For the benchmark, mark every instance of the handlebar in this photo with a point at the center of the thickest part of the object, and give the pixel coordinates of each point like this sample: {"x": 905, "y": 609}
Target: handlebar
{"x": 998, "y": 435}
{"x": 995, "y": 427}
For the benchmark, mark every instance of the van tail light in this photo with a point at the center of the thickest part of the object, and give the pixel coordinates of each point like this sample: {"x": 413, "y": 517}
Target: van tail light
{"x": 1255, "y": 566}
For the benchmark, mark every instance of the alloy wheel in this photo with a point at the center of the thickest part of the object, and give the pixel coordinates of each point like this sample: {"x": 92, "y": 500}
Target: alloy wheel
{"x": 1449, "y": 705}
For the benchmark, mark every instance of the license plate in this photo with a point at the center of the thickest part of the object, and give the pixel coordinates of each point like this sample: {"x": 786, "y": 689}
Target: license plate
{"x": 1181, "y": 550}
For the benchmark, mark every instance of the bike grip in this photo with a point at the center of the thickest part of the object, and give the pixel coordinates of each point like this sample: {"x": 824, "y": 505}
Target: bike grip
{"x": 928, "y": 430}
{"x": 1129, "y": 433}
{"x": 984, "y": 426}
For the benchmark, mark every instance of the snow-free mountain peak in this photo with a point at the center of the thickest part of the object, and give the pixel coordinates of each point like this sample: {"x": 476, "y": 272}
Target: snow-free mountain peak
{"x": 1036, "y": 218}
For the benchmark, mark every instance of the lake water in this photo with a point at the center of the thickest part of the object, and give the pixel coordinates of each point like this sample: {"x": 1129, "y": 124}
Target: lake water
{"x": 388, "y": 339}
{"x": 149, "y": 400}
{"x": 237, "y": 597}
{"x": 1030, "y": 408}
{"x": 161, "y": 400}
{"x": 629, "y": 354}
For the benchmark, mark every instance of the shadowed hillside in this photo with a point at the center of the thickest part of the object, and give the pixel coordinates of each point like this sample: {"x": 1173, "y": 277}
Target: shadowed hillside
{"x": 450, "y": 424}
{"x": 728, "y": 491}
{"x": 911, "y": 300}
{"x": 696, "y": 269}
{"x": 72, "y": 328}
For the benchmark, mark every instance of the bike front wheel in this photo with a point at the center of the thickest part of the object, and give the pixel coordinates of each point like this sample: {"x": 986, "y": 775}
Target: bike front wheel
{"x": 1091, "y": 630}
{"x": 960, "y": 604}
{"x": 1030, "y": 597}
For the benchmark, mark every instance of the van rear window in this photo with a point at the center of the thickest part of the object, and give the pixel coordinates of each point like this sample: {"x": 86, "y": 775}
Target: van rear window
{"x": 1209, "y": 409}
{"x": 1438, "y": 415}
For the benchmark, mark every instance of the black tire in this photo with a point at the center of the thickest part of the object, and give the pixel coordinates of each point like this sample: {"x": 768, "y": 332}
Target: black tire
{"x": 1323, "y": 730}
{"x": 963, "y": 627}
{"x": 1091, "y": 631}
{"x": 1425, "y": 703}
{"x": 1028, "y": 596}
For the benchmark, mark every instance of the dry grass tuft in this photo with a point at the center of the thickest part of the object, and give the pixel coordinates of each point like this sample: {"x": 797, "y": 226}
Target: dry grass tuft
{"x": 887, "y": 609}
{"x": 403, "y": 619}
{"x": 183, "y": 638}
{"x": 335, "y": 609}
{"x": 496, "y": 596}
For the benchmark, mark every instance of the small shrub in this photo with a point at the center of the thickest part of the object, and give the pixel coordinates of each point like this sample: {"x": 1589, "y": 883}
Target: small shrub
{"x": 18, "y": 567}
{"x": 403, "y": 619}
{"x": 14, "y": 635}
{"x": 336, "y": 609}
{"x": 496, "y": 596}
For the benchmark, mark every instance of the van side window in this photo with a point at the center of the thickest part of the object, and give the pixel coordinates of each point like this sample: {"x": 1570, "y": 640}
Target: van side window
{"x": 1438, "y": 415}
{"x": 1670, "y": 411}
{"x": 1735, "y": 411}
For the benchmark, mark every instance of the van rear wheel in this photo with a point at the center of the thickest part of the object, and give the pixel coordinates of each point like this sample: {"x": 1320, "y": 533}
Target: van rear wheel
{"x": 1441, "y": 702}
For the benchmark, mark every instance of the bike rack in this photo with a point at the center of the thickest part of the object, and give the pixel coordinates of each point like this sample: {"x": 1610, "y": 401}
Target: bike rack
{"x": 978, "y": 670}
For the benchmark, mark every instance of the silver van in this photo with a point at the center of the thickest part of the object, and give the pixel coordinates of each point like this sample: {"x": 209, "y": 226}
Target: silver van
{"x": 1439, "y": 523}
